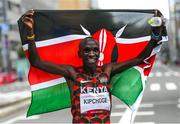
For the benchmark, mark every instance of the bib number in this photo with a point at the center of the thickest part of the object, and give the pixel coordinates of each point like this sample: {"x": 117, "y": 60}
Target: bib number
{"x": 94, "y": 101}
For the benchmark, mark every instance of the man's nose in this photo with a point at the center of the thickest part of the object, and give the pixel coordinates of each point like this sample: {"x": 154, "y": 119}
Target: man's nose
{"x": 91, "y": 53}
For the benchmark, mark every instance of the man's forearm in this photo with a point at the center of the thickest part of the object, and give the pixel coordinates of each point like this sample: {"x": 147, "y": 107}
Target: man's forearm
{"x": 155, "y": 37}
{"x": 148, "y": 49}
{"x": 33, "y": 54}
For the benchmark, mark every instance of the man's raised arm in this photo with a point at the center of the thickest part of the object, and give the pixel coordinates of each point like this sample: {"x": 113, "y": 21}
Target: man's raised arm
{"x": 63, "y": 70}
{"x": 114, "y": 68}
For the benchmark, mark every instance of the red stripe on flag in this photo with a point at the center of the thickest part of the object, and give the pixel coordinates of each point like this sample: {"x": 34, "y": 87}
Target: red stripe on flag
{"x": 63, "y": 53}
{"x": 130, "y": 51}
{"x": 67, "y": 53}
{"x": 151, "y": 62}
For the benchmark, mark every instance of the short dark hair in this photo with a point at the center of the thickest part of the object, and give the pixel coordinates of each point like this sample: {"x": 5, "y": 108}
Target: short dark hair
{"x": 83, "y": 41}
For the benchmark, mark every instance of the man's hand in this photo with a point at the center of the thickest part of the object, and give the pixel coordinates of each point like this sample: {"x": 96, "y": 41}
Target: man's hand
{"x": 28, "y": 21}
{"x": 157, "y": 30}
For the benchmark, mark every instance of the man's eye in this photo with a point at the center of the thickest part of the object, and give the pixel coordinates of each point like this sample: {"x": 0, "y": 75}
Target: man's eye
{"x": 96, "y": 49}
{"x": 87, "y": 50}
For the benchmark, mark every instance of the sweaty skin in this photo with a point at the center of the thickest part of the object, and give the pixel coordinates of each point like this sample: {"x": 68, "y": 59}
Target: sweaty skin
{"x": 88, "y": 52}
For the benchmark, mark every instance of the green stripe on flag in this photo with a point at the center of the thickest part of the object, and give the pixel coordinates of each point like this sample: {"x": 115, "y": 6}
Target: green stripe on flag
{"x": 127, "y": 86}
{"x": 49, "y": 99}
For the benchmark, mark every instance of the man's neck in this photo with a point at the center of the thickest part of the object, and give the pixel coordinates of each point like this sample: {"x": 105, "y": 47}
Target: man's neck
{"x": 90, "y": 69}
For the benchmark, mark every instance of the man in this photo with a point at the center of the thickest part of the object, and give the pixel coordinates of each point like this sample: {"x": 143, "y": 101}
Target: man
{"x": 89, "y": 85}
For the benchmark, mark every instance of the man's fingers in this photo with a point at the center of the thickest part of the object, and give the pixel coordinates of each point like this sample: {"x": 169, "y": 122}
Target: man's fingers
{"x": 29, "y": 13}
{"x": 27, "y": 19}
{"x": 27, "y": 16}
{"x": 28, "y": 22}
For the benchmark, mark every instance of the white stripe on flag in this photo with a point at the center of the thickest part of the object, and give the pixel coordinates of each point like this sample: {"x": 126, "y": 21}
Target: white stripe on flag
{"x": 164, "y": 38}
{"x": 68, "y": 38}
{"x": 132, "y": 40}
{"x": 104, "y": 40}
{"x": 138, "y": 40}
{"x": 58, "y": 40}
{"x": 47, "y": 84}
{"x": 100, "y": 40}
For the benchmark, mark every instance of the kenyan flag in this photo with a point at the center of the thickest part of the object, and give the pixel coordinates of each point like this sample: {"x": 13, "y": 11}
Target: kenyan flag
{"x": 122, "y": 35}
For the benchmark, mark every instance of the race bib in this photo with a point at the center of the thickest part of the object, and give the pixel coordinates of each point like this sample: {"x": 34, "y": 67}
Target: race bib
{"x": 94, "y": 101}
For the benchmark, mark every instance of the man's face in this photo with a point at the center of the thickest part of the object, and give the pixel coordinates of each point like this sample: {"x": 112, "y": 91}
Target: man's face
{"x": 90, "y": 52}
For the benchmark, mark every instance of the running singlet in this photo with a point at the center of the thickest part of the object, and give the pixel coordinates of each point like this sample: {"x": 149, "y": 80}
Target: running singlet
{"x": 91, "y": 99}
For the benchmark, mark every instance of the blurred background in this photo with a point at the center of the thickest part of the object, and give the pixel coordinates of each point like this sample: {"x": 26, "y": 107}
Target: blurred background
{"x": 161, "y": 98}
